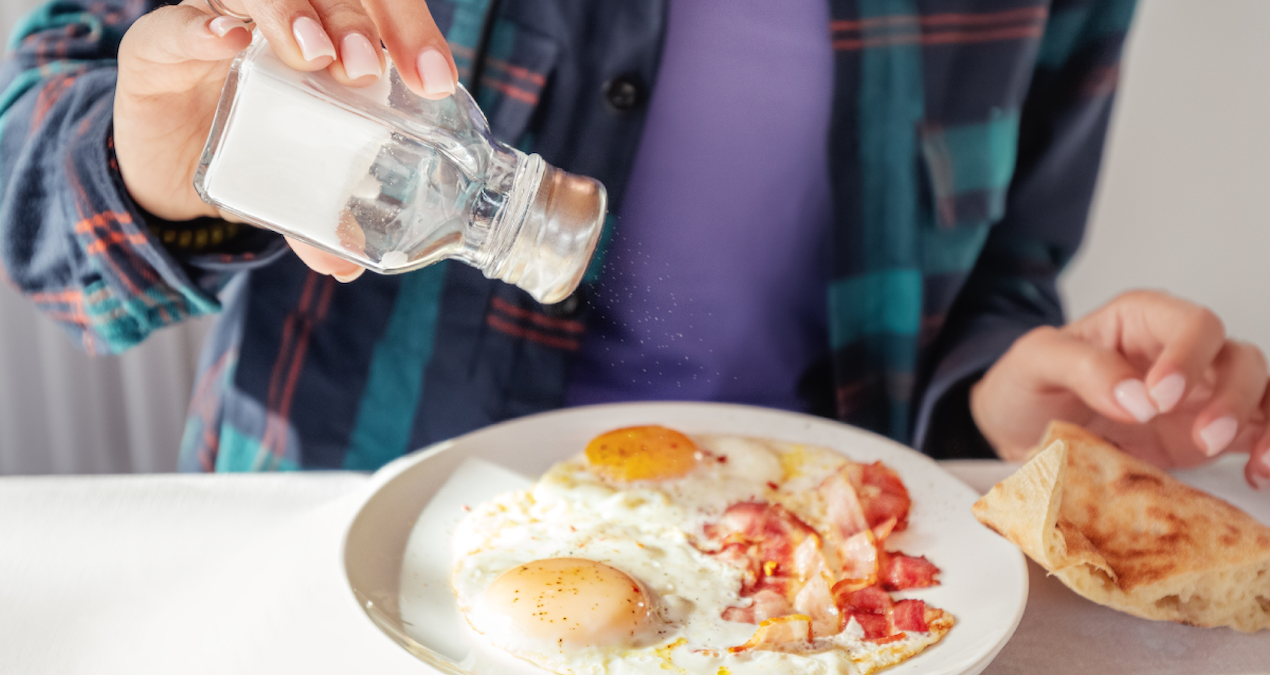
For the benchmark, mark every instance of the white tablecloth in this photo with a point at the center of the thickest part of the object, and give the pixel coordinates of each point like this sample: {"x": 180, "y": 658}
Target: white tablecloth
{"x": 239, "y": 574}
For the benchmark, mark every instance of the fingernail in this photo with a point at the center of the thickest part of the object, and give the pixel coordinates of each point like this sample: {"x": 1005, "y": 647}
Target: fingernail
{"x": 1218, "y": 434}
{"x": 221, "y": 25}
{"x": 435, "y": 72}
{"x": 313, "y": 41}
{"x": 359, "y": 57}
{"x": 1132, "y": 396}
{"x": 1168, "y": 392}
{"x": 345, "y": 278}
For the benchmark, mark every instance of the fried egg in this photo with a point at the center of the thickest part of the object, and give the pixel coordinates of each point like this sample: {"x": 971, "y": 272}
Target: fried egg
{"x": 602, "y": 567}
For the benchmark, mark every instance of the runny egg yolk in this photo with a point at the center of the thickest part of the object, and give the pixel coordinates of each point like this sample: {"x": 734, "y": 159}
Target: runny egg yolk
{"x": 642, "y": 453}
{"x": 567, "y": 603}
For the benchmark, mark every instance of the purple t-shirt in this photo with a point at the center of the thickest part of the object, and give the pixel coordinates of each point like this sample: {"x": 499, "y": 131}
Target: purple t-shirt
{"x": 714, "y": 284}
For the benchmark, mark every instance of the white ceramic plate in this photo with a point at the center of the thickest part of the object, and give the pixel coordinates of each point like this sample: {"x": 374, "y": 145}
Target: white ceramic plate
{"x": 399, "y": 572}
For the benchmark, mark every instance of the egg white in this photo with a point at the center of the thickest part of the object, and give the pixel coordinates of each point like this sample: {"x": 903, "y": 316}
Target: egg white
{"x": 647, "y": 530}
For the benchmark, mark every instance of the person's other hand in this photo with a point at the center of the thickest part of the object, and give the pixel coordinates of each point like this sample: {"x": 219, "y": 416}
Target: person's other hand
{"x": 173, "y": 62}
{"x": 1154, "y": 374}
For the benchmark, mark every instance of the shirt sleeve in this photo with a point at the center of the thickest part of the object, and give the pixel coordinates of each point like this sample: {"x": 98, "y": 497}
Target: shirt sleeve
{"x": 71, "y": 239}
{"x": 1013, "y": 285}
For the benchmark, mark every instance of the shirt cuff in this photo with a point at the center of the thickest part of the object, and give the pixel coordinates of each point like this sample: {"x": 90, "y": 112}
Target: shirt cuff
{"x": 945, "y": 428}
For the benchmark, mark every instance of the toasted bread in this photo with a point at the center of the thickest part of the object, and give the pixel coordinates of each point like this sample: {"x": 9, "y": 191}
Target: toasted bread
{"x": 1124, "y": 534}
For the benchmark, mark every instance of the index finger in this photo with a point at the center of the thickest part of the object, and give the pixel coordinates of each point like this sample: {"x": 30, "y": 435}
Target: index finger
{"x": 1178, "y": 339}
{"x": 293, "y": 28}
{"x": 416, "y": 46}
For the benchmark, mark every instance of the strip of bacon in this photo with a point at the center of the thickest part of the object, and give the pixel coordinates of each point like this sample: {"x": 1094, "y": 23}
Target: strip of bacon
{"x": 843, "y": 508}
{"x": 815, "y": 600}
{"x": 777, "y": 633}
{"x": 876, "y": 626}
{"x": 869, "y": 606}
{"x": 878, "y": 615}
{"x": 767, "y": 604}
{"x": 870, "y": 599}
{"x": 883, "y": 529}
{"x": 910, "y": 615}
{"x": 764, "y": 541}
{"x": 738, "y": 555}
{"x": 809, "y": 560}
{"x": 858, "y": 558}
{"x": 899, "y": 572}
{"x": 884, "y": 496}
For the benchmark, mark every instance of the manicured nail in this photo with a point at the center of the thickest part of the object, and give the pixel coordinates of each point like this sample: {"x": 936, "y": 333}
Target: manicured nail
{"x": 435, "y": 72}
{"x": 345, "y": 278}
{"x": 1167, "y": 392}
{"x": 1132, "y": 396}
{"x": 1218, "y": 434}
{"x": 1259, "y": 475}
{"x": 359, "y": 57}
{"x": 313, "y": 41}
{"x": 221, "y": 25}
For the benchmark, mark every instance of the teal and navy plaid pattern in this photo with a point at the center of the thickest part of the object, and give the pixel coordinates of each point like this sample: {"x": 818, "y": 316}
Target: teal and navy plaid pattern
{"x": 965, "y": 143}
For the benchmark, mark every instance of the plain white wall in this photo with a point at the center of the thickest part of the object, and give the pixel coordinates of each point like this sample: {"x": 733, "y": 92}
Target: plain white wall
{"x": 1179, "y": 207}
{"x": 1182, "y": 199}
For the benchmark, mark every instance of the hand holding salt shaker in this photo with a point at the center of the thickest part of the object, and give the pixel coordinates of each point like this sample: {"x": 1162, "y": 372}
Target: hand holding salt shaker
{"x": 393, "y": 181}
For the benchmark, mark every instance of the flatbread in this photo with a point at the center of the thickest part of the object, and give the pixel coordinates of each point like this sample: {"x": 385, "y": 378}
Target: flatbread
{"x": 1129, "y": 536}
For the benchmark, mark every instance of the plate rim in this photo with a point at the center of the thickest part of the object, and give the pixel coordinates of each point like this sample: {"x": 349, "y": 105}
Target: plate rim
{"x": 394, "y": 469}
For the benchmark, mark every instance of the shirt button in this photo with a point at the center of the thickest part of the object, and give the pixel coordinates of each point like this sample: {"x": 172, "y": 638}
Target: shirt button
{"x": 625, "y": 92}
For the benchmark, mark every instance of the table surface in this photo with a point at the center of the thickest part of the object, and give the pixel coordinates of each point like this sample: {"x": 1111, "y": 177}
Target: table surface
{"x": 240, "y": 574}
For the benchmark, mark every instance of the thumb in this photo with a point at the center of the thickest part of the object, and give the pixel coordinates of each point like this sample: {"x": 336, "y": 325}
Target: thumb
{"x": 171, "y": 36}
{"x": 325, "y": 263}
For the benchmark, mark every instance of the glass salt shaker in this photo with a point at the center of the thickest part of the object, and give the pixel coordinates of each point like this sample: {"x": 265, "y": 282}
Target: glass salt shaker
{"x": 393, "y": 181}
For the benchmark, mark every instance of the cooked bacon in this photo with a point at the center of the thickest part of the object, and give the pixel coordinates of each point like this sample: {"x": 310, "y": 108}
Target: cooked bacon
{"x": 816, "y": 601}
{"x": 875, "y": 625}
{"x": 809, "y": 560}
{"x": 870, "y": 599}
{"x": 796, "y": 591}
{"x": 880, "y": 618}
{"x": 843, "y": 509}
{"x": 767, "y": 604}
{"x": 890, "y": 638}
{"x": 769, "y": 532}
{"x": 778, "y": 633}
{"x": 883, "y": 529}
{"x": 883, "y": 496}
{"x": 910, "y": 615}
{"x": 738, "y": 556}
{"x": 899, "y": 571}
{"x": 774, "y": 549}
{"x": 858, "y": 558}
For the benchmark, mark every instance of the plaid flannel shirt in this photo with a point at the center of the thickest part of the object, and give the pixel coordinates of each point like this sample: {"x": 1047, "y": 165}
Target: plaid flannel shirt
{"x": 964, "y": 146}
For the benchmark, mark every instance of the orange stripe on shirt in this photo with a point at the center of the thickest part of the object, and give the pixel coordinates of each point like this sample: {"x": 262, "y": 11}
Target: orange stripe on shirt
{"x": 101, "y": 219}
{"x": 542, "y": 320}
{"x": 518, "y": 72}
{"x": 1017, "y": 33}
{"x": 49, "y": 95}
{"x": 114, "y": 238}
{"x": 69, "y": 297}
{"x": 509, "y": 90}
{"x": 1007, "y": 16}
{"x": 531, "y": 335}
